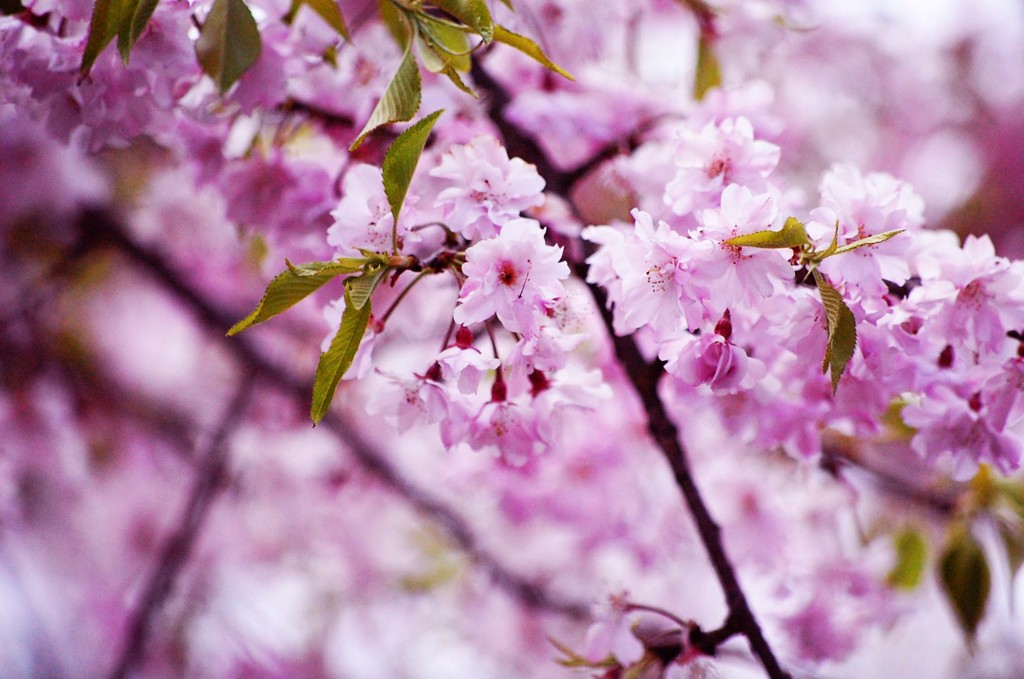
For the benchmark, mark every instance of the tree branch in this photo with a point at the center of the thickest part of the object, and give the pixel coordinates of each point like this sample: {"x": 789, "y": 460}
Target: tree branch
{"x": 645, "y": 377}
{"x": 103, "y": 226}
{"x": 207, "y": 485}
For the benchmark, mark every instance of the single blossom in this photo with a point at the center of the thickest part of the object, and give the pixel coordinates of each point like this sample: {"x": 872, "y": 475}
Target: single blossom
{"x": 712, "y": 360}
{"x": 488, "y": 189}
{"x": 963, "y": 428}
{"x": 649, "y": 273}
{"x": 467, "y": 365}
{"x": 736, "y": 275}
{"x": 710, "y": 160}
{"x": 860, "y": 206}
{"x": 515, "y": 276}
{"x": 363, "y": 217}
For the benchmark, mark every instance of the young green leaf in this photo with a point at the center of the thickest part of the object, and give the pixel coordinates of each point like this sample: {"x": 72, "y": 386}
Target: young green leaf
{"x": 842, "y": 330}
{"x": 331, "y": 269}
{"x": 1011, "y": 492}
{"x": 472, "y": 13}
{"x": 892, "y": 419}
{"x": 870, "y": 240}
{"x": 359, "y": 289}
{"x": 911, "y": 555}
{"x": 709, "y": 74}
{"x": 441, "y": 45}
{"x": 398, "y": 21}
{"x": 229, "y": 42}
{"x": 529, "y": 48}
{"x": 329, "y": 12}
{"x": 456, "y": 79}
{"x": 1012, "y": 534}
{"x": 401, "y": 159}
{"x": 830, "y": 250}
{"x": 336, "y": 361}
{"x": 573, "y": 659}
{"x": 792, "y": 235}
{"x": 442, "y": 48}
{"x": 400, "y": 102}
{"x": 103, "y": 26}
{"x": 136, "y": 15}
{"x": 289, "y": 288}
{"x": 965, "y": 578}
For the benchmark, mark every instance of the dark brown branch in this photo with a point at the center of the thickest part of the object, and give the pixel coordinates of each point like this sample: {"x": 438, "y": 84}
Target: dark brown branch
{"x": 645, "y": 377}
{"x": 517, "y": 143}
{"x": 209, "y": 479}
{"x": 708, "y": 642}
{"x": 104, "y": 227}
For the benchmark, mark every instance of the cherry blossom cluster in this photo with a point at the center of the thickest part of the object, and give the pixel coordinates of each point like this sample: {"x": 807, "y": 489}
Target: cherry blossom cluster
{"x": 938, "y": 323}
{"x": 497, "y": 393}
{"x": 142, "y": 206}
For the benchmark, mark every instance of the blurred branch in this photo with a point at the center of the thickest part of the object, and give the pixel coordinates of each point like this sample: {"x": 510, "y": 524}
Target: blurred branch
{"x": 104, "y": 226}
{"x": 209, "y": 481}
{"x": 839, "y": 453}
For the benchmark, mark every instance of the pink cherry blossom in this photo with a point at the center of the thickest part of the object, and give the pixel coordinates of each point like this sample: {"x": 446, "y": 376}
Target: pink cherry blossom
{"x": 863, "y": 206}
{"x": 710, "y": 160}
{"x": 467, "y": 365}
{"x": 363, "y": 217}
{"x": 489, "y": 189}
{"x": 515, "y": 276}
{"x": 737, "y": 274}
{"x": 949, "y": 424}
{"x": 712, "y": 360}
{"x": 653, "y": 270}
{"x": 510, "y": 429}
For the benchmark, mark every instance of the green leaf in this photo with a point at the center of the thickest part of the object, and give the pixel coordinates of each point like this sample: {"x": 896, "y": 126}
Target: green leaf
{"x": 136, "y": 15}
{"x": 329, "y": 12}
{"x": 401, "y": 159}
{"x": 103, "y": 26}
{"x": 1012, "y": 493}
{"x": 830, "y": 250}
{"x": 331, "y": 269}
{"x": 529, "y": 48}
{"x": 965, "y": 578}
{"x": 229, "y": 42}
{"x": 289, "y": 288}
{"x": 441, "y": 45}
{"x": 338, "y": 359}
{"x": 472, "y": 13}
{"x": 842, "y": 330}
{"x": 911, "y": 555}
{"x": 359, "y": 289}
{"x": 870, "y": 240}
{"x": 400, "y": 102}
{"x": 893, "y": 421}
{"x": 792, "y": 235}
{"x": 1012, "y": 536}
{"x": 456, "y": 79}
{"x": 573, "y": 659}
{"x": 397, "y": 21}
{"x": 8, "y": 7}
{"x": 709, "y": 74}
